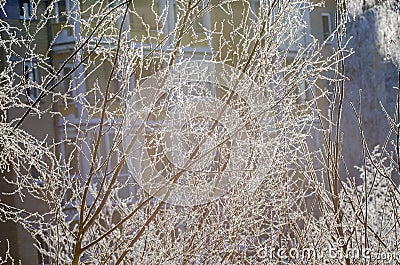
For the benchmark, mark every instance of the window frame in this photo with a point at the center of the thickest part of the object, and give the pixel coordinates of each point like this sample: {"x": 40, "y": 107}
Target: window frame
{"x": 42, "y": 258}
{"x": 302, "y": 90}
{"x": 326, "y": 34}
{"x": 68, "y": 83}
{"x": 57, "y": 11}
{"x": 31, "y": 79}
{"x": 255, "y": 6}
{"x": 198, "y": 25}
{"x": 36, "y": 172}
{"x": 23, "y": 13}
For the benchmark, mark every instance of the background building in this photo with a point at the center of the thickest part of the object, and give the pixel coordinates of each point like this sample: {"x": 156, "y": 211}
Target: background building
{"x": 65, "y": 31}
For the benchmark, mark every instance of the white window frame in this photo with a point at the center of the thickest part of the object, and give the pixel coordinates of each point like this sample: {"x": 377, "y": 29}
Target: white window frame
{"x": 328, "y": 15}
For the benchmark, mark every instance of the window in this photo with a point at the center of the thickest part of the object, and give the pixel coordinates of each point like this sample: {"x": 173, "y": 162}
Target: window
{"x": 60, "y": 8}
{"x": 111, "y": 3}
{"x": 70, "y": 153}
{"x": 176, "y": 12}
{"x": 25, "y": 9}
{"x": 109, "y": 150}
{"x": 302, "y": 90}
{"x": 195, "y": 18}
{"x": 67, "y": 84}
{"x": 31, "y": 80}
{"x": 256, "y": 6}
{"x": 198, "y": 23}
{"x": 71, "y": 156}
{"x": 42, "y": 242}
{"x": 37, "y": 170}
{"x": 144, "y": 15}
{"x": 326, "y": 25}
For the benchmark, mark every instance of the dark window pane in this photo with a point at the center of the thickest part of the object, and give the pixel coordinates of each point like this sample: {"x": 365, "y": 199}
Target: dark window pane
{"x": 61, "y": 11}
{"x": 24, "y": 8}
{"x": 326, "y": 26}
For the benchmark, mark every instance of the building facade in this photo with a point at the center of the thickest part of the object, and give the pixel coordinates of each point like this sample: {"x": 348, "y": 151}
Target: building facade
{"x": 73, "y": 33}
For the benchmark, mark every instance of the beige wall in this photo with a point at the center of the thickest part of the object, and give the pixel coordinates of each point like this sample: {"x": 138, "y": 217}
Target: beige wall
{"x": 45, "y": 125}
{"x": 20, "y": 241}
